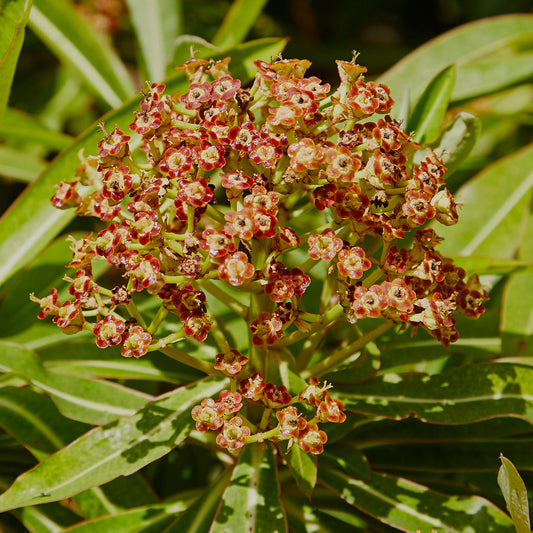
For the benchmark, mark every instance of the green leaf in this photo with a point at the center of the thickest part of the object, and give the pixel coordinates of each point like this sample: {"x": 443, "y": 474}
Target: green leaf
{"x": 346, "y": 458}
{"x": 13, "y": 19}
{"x": 156, "y": 24}
{"x": 303, "y": 468}
{"x": 238, "y": 21}
{"x": 199, "y": 516}
{"x": 493, "y": 205}
{"x": 463, "y": 395}
{"x": 493, "y": 74}
{"x": 26, "y": 129}
{"x": 409, "y": 506}
{"x": 464, "y": 45}
{"x": 429, "y": 111}
{"x": 457, "y": 139}
{"x": 483, "y": 265}
{"x": 31, "y": 222}
{"x": 86, "y": 359}
{"x": 251, "y": 502}
{"x": 83, "y": 399}
{"x": 35, "y": 421}
{"x": 20, "y": 165}
{"x": 89, "y": 53}
{"x": 517, "y": 312}
{"x": 515, "y": 494}
{"x": 157, "y": 516}
{"x": 116, "y": 449}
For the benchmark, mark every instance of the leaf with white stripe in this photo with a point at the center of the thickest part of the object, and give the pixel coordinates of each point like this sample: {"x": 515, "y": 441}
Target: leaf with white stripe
{"x": 116, "y": 449}
{"x": 409, "y": 506}
{"x": 463, "y": 395}
{"x": 86, "y": 400}
{"x": 89, "y": 53}
{"x": 492, "y": 209}
{"x": 251, "y": 503}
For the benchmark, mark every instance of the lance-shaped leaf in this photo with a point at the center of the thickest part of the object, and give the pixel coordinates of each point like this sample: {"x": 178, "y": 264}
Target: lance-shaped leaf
{"x": 303, "y": 468}
{"x": 116, "y": 449}
{"x": 464, "y": 45}
{"x": 199, "y": 516}
{"x": 83, "y": 399}
{"x": 251, "y": 502}
{"x": 457, "y": 139}
{"x": 409, "y": 506}
{"x": 31, "y": 222}
{"x": 429, "y": 111}
{"x": 13, "y": 18}
{"x": 72, "y": 40}
{"x": 517, "y": 313}
{"x": 156, "y": 24}
{"x": 493, "y": 208}
{"x": 515, "y": 494}
{"x": 238, "y": 22}
{"x": 20, "y": 165}
{"x": 465, "y": 394}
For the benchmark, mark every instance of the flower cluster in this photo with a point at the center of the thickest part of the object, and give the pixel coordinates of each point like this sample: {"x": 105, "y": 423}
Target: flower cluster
{"x": 221, "y": 415}
{"x": 248, "y": 189}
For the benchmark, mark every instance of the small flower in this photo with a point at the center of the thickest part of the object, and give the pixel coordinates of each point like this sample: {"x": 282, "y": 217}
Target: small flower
{"x": 217, "y": 243}
{"x": 276, "y": 396}
{"x": 240, "y": 223}
{"x": 330, "y": 410}
{"x": 265, "y": 329}
{"x": 231, "y": 362}
{"x": 66, "y": 195}
{"x": 230, "y": 401}
{"x": 252, "y": 388}
{"x": 49, "y": 304}
{"x": 305, "y": 155}
{"x": 342, "y": 164}
{"x": 311, "y": 439}
{"x": 324, "y": 246}
{"x": 114, "y": 146}
{"x": 208, "y": 415}
{"x": 177, "y": 161}
{"x": 232, "y": 434}
{"x": 291, "y": 422}
{"x": 109, "y": 331}
{"x": 236, "y": 269}
{"x": 196, "y": 193}
{"x": 353, "y": 262}
{"x": 368, "y": 302}
{"x": 399, "y": 295}
{"x": 417, "y": 207}
{"x": 135, "y": 342}
{"x": 197, "y": 327}
{"x": 69, "y": 318}
{"x": 314, "y": 393}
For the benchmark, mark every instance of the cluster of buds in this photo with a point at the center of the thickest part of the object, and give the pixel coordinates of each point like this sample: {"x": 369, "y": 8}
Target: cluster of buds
{"x": 292, "y": 426}
{"x": 250, "y": 189}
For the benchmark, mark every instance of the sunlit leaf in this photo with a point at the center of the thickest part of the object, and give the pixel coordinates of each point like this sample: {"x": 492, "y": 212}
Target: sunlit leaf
{"x": 87, "y": 400}
{"x": 13, "y": 19}
{"x": 515, "y": 494}
{"x": 238, "y": 22}
{"x": 157, "y": 24}
{"x": 456, "y": 140}
{"x": 251, "y": 502}
{"x": 20, "y": 165}
{"x": 303, "y": 468}
{"x": 116, "y": 449}
{"x": 71, "y": 39}
{"x": 409, "y": 506}
{"x": 492, "y": 209}
{"x": 517, "y": 312}
{"x": 463, "y": 395}
{"x": 464, "y": 46}
{"x": 428, "y": 114}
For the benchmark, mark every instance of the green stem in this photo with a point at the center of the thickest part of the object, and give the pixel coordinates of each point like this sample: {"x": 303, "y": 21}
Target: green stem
{"x": 329, "y": 362}
{"x": 134, "y": 313}
{"x": 188, "y": 360}
{"x": 262, "y": 436}
{"x": 212, "y": 288}
{"x": 333, "y": 314}
{"x": 161, "y": 314}
{"x": 374, "y": 276}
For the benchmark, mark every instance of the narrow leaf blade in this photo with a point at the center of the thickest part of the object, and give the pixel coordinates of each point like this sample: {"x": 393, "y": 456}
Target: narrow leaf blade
{"x": 119, "y": 448}
{"x": 13, "y": 19}
{"x": 251, "y": 503}
{"x": 515, "y": 494}
{"x": 428, "y": 114}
